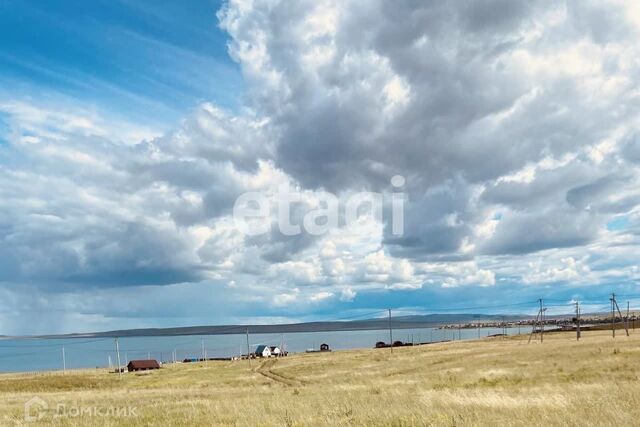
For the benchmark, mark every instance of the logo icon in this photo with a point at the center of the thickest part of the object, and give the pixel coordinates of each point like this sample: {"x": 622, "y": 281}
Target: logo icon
{"x": 35, "y": 409}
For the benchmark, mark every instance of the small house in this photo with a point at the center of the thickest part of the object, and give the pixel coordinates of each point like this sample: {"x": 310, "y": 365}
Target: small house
{"x": 324, "y": 347}
{"x": 142, "y": 365}
{"x": 263, "y": 351}
{"x": 275, "y": 351}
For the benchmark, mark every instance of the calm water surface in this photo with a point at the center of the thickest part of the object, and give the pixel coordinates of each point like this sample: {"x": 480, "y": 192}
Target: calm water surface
{"x": 18, "y": 355}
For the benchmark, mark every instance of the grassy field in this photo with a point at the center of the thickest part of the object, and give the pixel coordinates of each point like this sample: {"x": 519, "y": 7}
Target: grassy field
{"x": 487, "y": 382}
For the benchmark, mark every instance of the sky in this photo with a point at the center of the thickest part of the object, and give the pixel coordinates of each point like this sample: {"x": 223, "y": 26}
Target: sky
{"x": 128, "y": 130}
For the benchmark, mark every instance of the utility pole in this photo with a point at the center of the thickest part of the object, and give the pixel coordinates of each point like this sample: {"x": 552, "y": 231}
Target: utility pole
{"x": 504, "y": 328}
{"x": 203, "y": 354}
{"x": 64, "y": 362}
{"x": 627, "y": 319}
{"x": 248, "y": 350}
{"x": 538, "y": 323}
{"x": 613, "y": 316}
{"x": 614, "y": 305}
{"x": 542, "y": 322}
{"x": 577, "y": 321}
{"x": 390, "y": 333}
{"x": 118, "y": 357}
{"x": 281, "y": 345}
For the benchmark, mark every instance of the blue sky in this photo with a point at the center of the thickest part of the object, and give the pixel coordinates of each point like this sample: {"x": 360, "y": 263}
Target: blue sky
{"x": 128, "y": 129}
{"x": 148, "y": 60}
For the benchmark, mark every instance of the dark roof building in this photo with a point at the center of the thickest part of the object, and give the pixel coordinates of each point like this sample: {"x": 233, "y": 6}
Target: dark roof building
{"x": 142, "y": 365}
{"x": 263, "y": 351}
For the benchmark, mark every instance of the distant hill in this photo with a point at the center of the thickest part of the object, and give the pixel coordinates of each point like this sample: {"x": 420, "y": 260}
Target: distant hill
{"x": 400, "y": 322}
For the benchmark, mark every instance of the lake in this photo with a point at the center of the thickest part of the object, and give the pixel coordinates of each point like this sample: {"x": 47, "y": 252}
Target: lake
{"x": 37, "y": 354}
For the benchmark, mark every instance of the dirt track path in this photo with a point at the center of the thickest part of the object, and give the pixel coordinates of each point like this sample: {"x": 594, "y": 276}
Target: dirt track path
{"x": 265, "y": 369}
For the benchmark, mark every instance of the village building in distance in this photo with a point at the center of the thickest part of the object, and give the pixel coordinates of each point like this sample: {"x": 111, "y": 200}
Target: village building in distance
{"x": 269, "y": 351}
{"x": 142, "y": 365}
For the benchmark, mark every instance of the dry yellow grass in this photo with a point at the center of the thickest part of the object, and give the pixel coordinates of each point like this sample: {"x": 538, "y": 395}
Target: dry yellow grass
{"x": 488, "y": 382}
